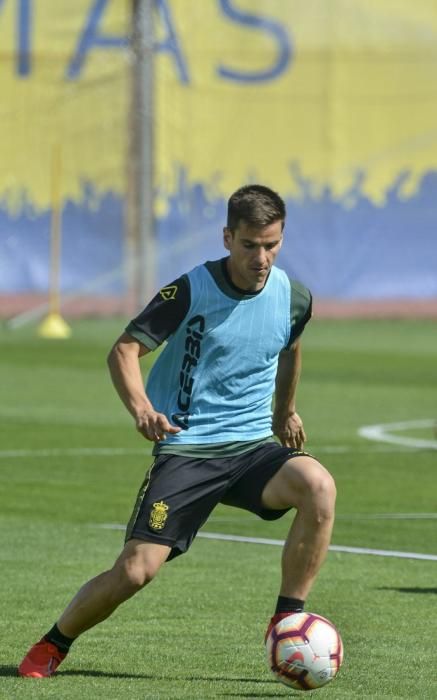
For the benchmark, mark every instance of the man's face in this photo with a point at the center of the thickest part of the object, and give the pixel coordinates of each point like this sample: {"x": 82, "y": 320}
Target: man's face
{"x": 252, "y": 253}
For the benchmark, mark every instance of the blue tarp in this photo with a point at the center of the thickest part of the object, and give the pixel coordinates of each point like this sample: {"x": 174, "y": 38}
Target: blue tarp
{"x": 348, "y": 249}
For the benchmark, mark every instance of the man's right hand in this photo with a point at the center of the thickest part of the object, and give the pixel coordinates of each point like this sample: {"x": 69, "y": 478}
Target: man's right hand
{"x": 154, "y": 426}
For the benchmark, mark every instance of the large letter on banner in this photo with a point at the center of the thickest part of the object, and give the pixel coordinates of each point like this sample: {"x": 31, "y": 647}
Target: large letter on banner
{"x": 24, "y": 33}
{"x": 276, "y": 30}
{"x": 91, "y": 37}
{"x": 170, "y": 43}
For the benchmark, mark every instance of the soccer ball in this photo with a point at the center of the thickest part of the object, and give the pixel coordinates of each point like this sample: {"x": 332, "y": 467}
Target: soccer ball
{"x": 304, "y": 651}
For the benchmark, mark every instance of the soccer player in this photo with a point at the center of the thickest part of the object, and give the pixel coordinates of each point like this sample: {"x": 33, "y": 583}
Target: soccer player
{"x": 232, "y": 329}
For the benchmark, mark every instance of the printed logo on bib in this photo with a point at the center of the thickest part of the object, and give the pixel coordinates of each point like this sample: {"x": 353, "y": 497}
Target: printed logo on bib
{"x": 169, "y": 292}
{"x": 193, "y": 347}
{"x": 181, "y": 420}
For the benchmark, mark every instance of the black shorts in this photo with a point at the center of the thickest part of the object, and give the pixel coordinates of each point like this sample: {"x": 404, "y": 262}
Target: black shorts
{"x": 179, "y": 493}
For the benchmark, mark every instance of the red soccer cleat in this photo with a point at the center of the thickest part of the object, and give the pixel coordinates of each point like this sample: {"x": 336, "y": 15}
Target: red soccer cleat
{"x": 41, "y": 661}
{"x": 275, "y": 619}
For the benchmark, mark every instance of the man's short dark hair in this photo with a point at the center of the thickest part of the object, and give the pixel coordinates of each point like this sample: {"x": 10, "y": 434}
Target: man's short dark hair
{"x": 257, "y": 205}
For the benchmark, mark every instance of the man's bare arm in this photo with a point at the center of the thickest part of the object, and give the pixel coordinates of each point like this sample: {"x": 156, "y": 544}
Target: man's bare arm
{"x": 287, "y": 424}
{"x": 124, "y": 367}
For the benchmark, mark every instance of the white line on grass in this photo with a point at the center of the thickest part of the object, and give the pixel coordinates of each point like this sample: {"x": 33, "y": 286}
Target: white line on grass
{"x": 76, "y": 452}
{"x": 347, "y": 516}
{"x": 383, "y": 432}
{"x": 280, "y": 543}
{"x": 386, "y": 516}
{"x": 49, "y": 415}
{"x": 117, "y": 451}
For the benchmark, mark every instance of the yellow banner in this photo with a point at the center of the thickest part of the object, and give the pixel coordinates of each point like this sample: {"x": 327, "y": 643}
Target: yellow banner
{"x": 62, "y": 91}
{"x": 273, "y": 90}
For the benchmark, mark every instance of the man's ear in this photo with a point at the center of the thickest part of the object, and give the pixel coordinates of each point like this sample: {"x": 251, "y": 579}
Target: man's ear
{"x": 227, "y": 238}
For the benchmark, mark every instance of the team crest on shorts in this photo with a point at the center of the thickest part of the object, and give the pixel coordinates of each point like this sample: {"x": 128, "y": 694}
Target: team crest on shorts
{"x": 158, "y": 515}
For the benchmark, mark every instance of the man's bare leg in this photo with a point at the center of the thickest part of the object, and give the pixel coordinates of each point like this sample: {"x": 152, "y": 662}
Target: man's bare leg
{"x": 136, "y": 566}
{"x": 305, "y": 484}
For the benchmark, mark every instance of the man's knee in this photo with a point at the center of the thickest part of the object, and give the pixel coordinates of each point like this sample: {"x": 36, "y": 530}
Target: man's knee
{"x": 302, "y": 483}
{"x": 321, "y": 493}
{"x": 320, "y": 483}
{"x": 138, "y": 565}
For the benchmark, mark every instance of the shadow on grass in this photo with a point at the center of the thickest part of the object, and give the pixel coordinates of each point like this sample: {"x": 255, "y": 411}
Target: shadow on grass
{"x": 8, "y": 671}
{"x": 11, "y": 671}
{"x": 86, "y": 673}
{"x": 256, "y": 695}
{"x": 415, "y": 589}
{"x": 156, "y": 677}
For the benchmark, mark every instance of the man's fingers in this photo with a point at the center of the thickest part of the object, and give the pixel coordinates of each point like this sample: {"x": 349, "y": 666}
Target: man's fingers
{"x": 294, "y": 441}
{"x": 155, "y": 428}
{"x": 289, "y": 441}
{"x": 163, "y": 426}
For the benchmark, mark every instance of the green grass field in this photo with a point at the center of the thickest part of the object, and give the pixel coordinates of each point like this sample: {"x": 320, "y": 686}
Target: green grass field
{"x": 71, "y": 462}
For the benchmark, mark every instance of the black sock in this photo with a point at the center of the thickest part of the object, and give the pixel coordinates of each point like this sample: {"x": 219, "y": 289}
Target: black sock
{"x": 58, "y": 639}
{"x": 290, "y": 605}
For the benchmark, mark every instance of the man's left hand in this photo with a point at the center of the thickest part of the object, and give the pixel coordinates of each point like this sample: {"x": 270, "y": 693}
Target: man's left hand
{"x": 290, "y": 431}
